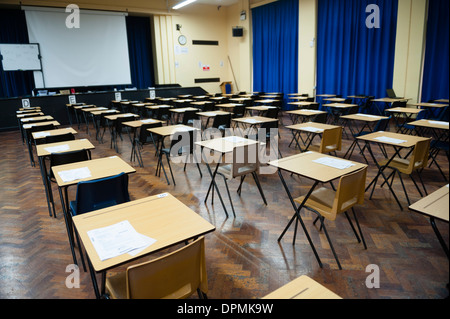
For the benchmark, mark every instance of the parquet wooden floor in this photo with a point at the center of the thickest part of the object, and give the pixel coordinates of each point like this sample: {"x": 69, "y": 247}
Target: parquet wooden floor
{"x": 244, "y": 258}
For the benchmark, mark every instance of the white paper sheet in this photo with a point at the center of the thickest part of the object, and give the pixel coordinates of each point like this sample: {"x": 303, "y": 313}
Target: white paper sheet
{"x": 438, "y": 123}
{"x": 252, "y": 121}
{"x": 368, "y": 115}
{"x": 74, "y": 174}
{"x": 148, "y": 121}
{"x": 313, "y": 111}
{"x": 58, "y": 149}
{"x": 389, "y": 140}
{"x": 41, "y": 134}
{"x": 117, "y": 239}
{"x": 234, "y": 139}
{"x": 312, "y": 129}
{"x": 334, "y": 162}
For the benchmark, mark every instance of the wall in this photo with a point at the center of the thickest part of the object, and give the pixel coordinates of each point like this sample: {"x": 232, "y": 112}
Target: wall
{"x": 307, "y": 46}
{"x": 409, "y": 48}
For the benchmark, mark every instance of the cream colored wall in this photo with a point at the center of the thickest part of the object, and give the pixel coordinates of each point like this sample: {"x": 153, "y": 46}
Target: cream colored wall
{"x": 409, "y": 48}
{"x": 307, "y": 46}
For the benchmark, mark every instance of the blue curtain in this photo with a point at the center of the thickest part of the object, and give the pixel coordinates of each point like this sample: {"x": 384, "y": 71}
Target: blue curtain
{"x": 140, "y": 52}
{"x": 435, "y": 77}
{"x": 351, "y": 58}
{"x": 275, "y": 47}
{"x": 13, "y": 29}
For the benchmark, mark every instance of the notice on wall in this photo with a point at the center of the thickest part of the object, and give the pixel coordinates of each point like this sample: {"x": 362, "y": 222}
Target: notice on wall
{"x": 26, "y": 103}
{"x": 72, "y": 99}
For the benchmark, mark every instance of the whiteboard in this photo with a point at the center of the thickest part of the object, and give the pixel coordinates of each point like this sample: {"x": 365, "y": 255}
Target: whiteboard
{"x": 23, "y": 57}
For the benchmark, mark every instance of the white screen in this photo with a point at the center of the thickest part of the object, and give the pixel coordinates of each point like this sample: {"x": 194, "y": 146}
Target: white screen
{"x": 94, "y": 54}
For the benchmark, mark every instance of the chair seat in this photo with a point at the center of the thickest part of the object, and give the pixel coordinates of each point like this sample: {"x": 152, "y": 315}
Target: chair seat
{"x": 116, "y": 286}
{"x": 226, "y": 170}
{"x": 316, "y": 148}
{"x": 401, "y": 164}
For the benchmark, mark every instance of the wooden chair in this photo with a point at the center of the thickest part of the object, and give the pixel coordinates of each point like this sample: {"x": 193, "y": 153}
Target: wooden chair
{"x": 176, "y": 275}
{"x": 331, "y": 141}
{"x": 328, "y": 203}
{"x": 417, "y": 162}
{"x": 242, "y": 165}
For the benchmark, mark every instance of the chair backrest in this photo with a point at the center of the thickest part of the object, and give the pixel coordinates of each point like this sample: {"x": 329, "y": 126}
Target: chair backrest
{"x": 208, "y": 106}
{"x": 382, "y": 124}
{"x": 101, "y": 193}
{"x": 144, "y": 134}
{"x": 398, "y": 104}
{"x": 331, "y": 140}
{"x": 310, "y": 99}
{"x": 222, "y": 120}
{"x": 272, "y": 113}
{"x": 67, "y": 158}
{"x": 313, "y": 106}
{"x": 320, "y": 118}
{"x": 162, "y": 113}
{"x": 59, "y": 138}
{"x": 245, "y": 160}
{"x": 176, "y": 275}
{"x": 239, "y": 110}
{"x": 353, "y": 110}
{"x": 189, "y": 117}
{"x": 420, "y": 155}
{"x": 187, "y": 147}
{"x": 350, "y": 192}
{"x": 118, "y": 122}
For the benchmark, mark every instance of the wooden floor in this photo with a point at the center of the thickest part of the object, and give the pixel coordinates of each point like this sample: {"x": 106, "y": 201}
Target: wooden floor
{"x": 244, "y": 258}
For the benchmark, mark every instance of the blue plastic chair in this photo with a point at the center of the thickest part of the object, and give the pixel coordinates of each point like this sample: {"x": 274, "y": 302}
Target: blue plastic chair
{"x": 100, "y": 193}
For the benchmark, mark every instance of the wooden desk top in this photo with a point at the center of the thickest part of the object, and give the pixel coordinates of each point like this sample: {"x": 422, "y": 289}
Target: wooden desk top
{"x": 404, "y": 110}
{"x": 22, "y": 115}
{"x": 73, "y": 145}
{"x": 267, "y": 101}
{"x": 364, "y": 117}
{"x": 161, "y": 217}
{"x": 78, "y": 107}
{"x": 170, "y": 129}
{"x": 326, "y": 95}
{"x": 99, "y": 168}
{"x": 226, "y": 144}
{"x": 434, "y": 205}
{"x": 442, "y": 101}
{"x": 184, "y": 109}
{"x": 99, "y": 112}
{"x": 298, "y": 97}
{"x": 260, "y": 107}
{"x": 254, "y": 120}
{"x": 301, "y": 103}
{"x": 228, "y": 105}
{"x": 38, "y": 118}
{"x": 139, "y": 123}
{"x": 335, "y": 99}
{"x": 28, "y": 109}
{"x": 115, "y": 116}
{"x": 158, "y": 106}
{"x": 212, "y": 113}
{"x": 390, "y": 100}
{"x": 305, "y": 112}
{"x": 303, "y": 164}
{"x": 28, "y": 126}
{"x": 438, "y": 105}
{"x": 302, "y": 288}
{"x": 93, "y": 109}
{"x": 431, "y": 124}
{"x": 340, "y": 105}
{"x": 60, "y": 131}
{"x": 409, "y": 140}
{"x": 305, "y": 126}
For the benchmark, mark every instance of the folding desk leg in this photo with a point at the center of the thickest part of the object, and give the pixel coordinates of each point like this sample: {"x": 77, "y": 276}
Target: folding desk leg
{"x": 438, "y": 234}
{"x": 297, "y": 215}
{"x": 214, "y": 185}
{"x": 69, "y": 232}
{"x": 46, "y": 187}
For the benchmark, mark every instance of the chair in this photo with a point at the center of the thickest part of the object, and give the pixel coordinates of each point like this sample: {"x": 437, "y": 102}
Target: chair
{"x": 100, "y": 193}
{"x": 62, "y": 159}
{"x": 189, "y": 117}
{"x": 31, "y": 141}
{"x": 313, "y": 106}
{"x": 238, "y": 111}
{"x": 417, "y": 162}
{"x": 331, "y": 141}
{"x": 145, "y": 138}
{"x": 272, "y": 113}
{"x": 222, "y": 122}
{"x": 320, "y": 118}
{"x": 243, "y": 163}
{"x": 59, "y": 138}
{"x": 328, "y": 203}
{"x": 408, "y": 128}
{"x": 162, "y": 114}
{"x": 182, "y": 149}
{"x": 176, "y": 275}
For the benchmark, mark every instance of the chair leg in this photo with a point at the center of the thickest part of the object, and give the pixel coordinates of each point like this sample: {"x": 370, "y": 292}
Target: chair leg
{"x": 415, "y": 184}
{"x": 240, "y": 184}
{"x": 359, "y": 228}
{"x": 322, "y": 220}
{"x": 404, "y": 189}
{"x": 170, "y": 168}
{"x": 353, "y": 228}
{"x": 229, "y": 195}
{"x": 255, "y": 177}
{"x": 421, "y": 181}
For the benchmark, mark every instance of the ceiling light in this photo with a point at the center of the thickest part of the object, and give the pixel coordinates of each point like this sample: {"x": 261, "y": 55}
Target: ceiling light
{"x": 182, "y": 4}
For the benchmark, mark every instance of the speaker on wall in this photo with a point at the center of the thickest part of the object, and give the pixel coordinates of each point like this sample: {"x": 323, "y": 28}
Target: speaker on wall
{"x": 238, "y": 31}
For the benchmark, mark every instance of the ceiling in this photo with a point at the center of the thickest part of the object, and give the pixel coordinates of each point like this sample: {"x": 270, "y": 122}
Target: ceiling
{"x": 218, "y": 2}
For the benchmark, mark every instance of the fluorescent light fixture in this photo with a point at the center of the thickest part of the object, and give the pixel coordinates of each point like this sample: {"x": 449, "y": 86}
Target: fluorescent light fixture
{"x": 182, "y": 4}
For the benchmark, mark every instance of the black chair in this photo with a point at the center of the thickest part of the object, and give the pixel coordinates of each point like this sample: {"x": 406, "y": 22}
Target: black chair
{"x": 184, "y": 149}
{"x": 208, "y": 106}
{"x": 238, "y": 111}
{"x": 222, "y": 122}
{"x": 143, "y": 138}
{"x": 189, "y": 117}
{"x": 365, "y": 107}
{"x": 100, "y": 193}
{"x": 162, "y": 114}
{"x": 320, "y": 118}
{"x": 272, "y": 113}
{"x": 59, "y": 138}
{"x": 31, "y": 141}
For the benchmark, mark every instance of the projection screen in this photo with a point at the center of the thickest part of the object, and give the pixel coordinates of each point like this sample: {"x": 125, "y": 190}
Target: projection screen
{"x": 95, "y": 54}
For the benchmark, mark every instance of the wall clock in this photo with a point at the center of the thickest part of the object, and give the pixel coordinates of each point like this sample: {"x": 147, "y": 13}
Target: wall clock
{"x": 182, "y": 40}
